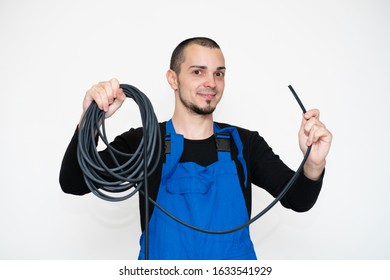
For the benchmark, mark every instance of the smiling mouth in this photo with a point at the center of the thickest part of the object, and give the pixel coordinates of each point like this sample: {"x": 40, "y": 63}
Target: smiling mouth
{"x": 207, "y": 95}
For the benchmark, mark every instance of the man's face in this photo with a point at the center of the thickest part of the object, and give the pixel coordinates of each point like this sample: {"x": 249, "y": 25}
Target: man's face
{"x": 201, "y": 80}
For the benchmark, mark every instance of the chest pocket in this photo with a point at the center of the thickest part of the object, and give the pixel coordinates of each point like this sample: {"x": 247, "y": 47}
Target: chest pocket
{"x": 191, "y": 178}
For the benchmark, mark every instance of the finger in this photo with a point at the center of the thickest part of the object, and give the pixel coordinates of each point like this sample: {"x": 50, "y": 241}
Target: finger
{"x": 307, "y": 126}
{"x": 105, "y": 94}
{"x": 313, "y": 113}
{"x": 117, "y": 103}
{"x": 101, "y": 96}
{"x": 322, "y": 134}
{"x": 120, "y": 98}
{"x": 115, "y": 86}
{"x": 93, "y": 95}
{"x": 314, "y": 134}
{"x": 120, "y": 95}
{"x": 108, "y": 92}
{"x": 319, "y": 133}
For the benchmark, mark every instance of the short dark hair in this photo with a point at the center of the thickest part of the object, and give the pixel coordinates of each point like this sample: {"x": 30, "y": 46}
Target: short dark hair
{"x": 177, "y": 57}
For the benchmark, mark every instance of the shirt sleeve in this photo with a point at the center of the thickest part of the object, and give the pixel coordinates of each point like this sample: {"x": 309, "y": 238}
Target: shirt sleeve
{"x": 71, "y": 176}
{"x": 269, "y": 172}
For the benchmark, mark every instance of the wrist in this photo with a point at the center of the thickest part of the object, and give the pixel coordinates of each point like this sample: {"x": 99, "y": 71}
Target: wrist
{"x": 313, "y": 171}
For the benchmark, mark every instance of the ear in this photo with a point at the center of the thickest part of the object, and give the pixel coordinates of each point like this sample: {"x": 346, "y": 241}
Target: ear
{"x": 172, "y": 79}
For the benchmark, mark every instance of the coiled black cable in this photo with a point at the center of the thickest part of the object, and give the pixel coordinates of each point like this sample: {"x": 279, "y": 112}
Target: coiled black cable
{"x": 101, "y": 178}
{"x": 133, "y": 173}
{"x": 136, "y": 170}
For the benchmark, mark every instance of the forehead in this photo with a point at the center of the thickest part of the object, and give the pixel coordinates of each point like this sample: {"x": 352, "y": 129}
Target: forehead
{"x": 199, "y": 55}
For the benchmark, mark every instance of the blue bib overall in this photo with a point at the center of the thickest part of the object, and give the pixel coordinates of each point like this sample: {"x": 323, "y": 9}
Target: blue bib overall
{"x": 206, "y": 197}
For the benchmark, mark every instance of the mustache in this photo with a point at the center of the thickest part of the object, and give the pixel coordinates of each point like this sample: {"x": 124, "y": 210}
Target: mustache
{"x": 207, "y": 91}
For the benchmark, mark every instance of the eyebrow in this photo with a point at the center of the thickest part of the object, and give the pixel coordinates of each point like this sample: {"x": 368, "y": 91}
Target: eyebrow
{"x": 205, "y": 67}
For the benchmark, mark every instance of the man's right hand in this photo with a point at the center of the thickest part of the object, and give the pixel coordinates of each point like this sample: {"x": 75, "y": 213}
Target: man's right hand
{"x": 108, "y": 96}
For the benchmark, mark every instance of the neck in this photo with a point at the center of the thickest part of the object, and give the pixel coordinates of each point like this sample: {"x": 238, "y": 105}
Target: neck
{"x": 194, "y": 127}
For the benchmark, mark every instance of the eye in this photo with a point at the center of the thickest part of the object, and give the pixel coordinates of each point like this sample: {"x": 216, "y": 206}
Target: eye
{"x": 197, "y": 72}
{"x": 220, "y": 74}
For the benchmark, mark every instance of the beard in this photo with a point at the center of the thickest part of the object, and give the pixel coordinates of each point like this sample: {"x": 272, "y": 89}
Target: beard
{"x": 207, "y": 110}
{"x": 197, "y": 109}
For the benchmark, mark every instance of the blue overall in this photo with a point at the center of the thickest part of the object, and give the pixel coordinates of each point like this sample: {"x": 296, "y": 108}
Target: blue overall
{"x": 206, "y": 197}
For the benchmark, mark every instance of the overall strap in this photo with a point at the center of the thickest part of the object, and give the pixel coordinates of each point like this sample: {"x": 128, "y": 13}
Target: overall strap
{"x": 174, "y": 151}
{"x": 232, "y": 131}
{"x": 222, "y": 140}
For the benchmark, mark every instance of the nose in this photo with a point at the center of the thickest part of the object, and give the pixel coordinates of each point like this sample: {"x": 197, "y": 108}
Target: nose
{"x": 210, "y": 81}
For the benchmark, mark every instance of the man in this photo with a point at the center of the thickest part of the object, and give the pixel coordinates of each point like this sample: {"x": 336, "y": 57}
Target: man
{"x": 201, "y": 184}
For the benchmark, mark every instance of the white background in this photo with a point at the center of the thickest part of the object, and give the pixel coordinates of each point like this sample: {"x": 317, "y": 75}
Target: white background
{"x": 334, "y": 53}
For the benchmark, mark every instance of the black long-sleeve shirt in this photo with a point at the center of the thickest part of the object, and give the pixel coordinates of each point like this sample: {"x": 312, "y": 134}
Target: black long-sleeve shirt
{"x": 265, "y": 168}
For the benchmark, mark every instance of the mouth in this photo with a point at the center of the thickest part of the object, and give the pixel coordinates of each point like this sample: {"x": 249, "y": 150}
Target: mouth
{"x": 209, "y": 95}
